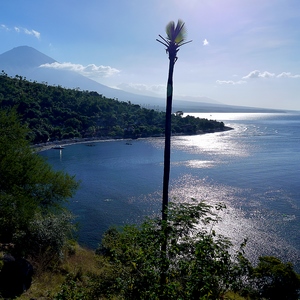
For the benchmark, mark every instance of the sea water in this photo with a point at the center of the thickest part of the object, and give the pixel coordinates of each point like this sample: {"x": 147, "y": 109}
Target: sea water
{"x": 253, "y": 169}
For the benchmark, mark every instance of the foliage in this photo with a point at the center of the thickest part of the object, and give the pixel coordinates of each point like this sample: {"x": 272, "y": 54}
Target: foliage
{"x": 84, "y": 275}
{"x": 276, "y": 280}
{"x": 199, "y": 263}
{"x": 54, "y": 113}
{"x": 30, "y": 191}
{"x": 72, "y": 273}
{"x": 48, "y": 236}
{"x": 72, "y": 289}
{"x": 176, "y": 36}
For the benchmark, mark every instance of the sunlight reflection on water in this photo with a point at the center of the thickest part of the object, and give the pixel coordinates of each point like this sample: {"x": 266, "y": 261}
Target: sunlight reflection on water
{"x": 257, "y": 225}
{"x": 233, "y": 116}
{"x": 210, "y": 144}
{"x": 242, "y": 218}
{"x": 198, "y": 164}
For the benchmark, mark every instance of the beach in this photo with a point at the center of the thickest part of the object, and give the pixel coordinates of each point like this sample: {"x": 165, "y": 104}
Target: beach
{"x": 67, "y": 142}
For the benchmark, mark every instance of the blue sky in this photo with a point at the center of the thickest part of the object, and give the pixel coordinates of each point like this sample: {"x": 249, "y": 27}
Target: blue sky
{"x": 244, "y": 52}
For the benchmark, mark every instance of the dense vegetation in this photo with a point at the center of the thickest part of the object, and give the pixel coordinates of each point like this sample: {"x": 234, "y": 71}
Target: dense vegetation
{"x": 200, "y": 263}
{"x": 55, "y": 113}
{"x": 31, "y": 193}
{"x": 33, "y": 221}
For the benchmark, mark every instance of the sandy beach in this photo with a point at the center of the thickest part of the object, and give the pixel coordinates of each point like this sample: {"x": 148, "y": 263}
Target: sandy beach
{"x": 67, "y": 142}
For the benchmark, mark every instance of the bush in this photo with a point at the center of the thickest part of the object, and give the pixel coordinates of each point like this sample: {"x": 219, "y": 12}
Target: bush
{"x": 198, "y": 263}
{"x": 32, "y": 194}
{"x": 276, "y": 280}
{"x": 72, "y": 289}
{"x": 48, "y": 237}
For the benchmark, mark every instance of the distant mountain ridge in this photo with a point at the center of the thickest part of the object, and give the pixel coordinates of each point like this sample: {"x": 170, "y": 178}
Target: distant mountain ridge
{"x": 25, "y": 61}
{"x": 21, "y": 58}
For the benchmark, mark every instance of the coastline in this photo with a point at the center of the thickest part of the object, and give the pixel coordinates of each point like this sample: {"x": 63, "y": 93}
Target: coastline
{"x": 68, "y": 142}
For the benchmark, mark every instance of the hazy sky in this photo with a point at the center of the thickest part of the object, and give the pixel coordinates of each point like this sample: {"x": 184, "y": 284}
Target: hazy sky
{"x": 244, "y": 52}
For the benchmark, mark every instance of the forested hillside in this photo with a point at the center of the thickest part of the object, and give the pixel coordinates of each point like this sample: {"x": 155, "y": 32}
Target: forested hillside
{"x": 55, "y": 113}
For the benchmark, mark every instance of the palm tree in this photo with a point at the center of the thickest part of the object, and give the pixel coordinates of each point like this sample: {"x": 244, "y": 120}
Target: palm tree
{"x": 174, "y": 40}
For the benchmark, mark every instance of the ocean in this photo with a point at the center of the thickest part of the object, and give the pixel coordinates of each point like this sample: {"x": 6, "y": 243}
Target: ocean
{"x": 253, "y": 169}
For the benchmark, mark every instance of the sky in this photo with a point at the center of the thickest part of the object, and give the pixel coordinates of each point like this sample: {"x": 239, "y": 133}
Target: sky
{"x": 243, "y": 52}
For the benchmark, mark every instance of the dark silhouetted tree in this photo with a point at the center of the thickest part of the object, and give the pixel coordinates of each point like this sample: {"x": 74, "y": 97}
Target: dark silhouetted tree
{"x": 174, "y": 40}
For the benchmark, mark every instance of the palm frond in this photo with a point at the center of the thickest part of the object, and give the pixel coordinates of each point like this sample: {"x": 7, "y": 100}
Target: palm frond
{"x": 170, "y": 29}
{"x": 176, "y": 37}
{"x": 180, "y": 32}
{"x": 176, "y": 34}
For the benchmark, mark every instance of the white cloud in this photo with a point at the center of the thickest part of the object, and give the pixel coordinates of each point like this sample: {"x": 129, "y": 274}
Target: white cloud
{"x": 23, "y": 30}
{"x": 90, "y": 70}
{"x": 266, "y": 75}
{"x": 32, "y": 32}
{"x": 287, "y": 75}
{"x": 205, "y": 42}
{"x": 4, "y": 27}
{"x": 142, "y": 88}
{"x": 258, "y": 74}
{"x": 253, "y": 74}
{"x": 230, "y": 82}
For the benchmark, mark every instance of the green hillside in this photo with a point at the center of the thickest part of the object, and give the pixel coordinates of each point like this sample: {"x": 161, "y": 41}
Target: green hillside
{"x": 56, "y": 113}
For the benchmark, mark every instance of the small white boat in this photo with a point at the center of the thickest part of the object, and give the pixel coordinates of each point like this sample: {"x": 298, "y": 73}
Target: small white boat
{"x": 58, "y": 147}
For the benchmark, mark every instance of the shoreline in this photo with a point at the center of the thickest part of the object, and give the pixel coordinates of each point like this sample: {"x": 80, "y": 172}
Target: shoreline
{"x": 68, "y": 142}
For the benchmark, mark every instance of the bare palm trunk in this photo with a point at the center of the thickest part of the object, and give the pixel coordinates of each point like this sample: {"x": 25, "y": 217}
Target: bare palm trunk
{"x": 167, "y": 154}
{"x": 166, "y": 178}
{"x": 175, "y": 39}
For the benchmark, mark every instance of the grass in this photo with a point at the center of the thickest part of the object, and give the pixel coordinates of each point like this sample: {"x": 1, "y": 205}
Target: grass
{"x": 82, "y": 264}
{"x": 46, "y": 284}
{"x": 233, "y": 296}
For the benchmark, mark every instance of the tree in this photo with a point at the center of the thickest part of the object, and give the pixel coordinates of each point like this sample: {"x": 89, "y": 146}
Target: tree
{"x": 179, "y": 113}
{"x": 201, "y": 263}
{"x": 53, "y": 113}
{"x": 276, "y": 280}
{"x": 29, "y": 188}
{"x": 174, "y": 40}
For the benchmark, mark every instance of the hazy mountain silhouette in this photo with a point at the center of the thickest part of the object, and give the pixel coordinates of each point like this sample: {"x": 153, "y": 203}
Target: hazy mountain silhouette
{"x": 26, "y": 61}
{"x": 23, "y": 58}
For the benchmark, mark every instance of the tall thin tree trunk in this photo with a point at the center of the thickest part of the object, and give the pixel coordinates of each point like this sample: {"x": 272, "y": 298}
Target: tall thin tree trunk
{"x": 166, "y": 178}
{"x": 175, "y": 39}
{"x": 167, "y": 153}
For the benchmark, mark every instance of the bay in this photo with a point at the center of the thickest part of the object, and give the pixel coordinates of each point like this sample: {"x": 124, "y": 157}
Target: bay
{"x": 253, "y": 169}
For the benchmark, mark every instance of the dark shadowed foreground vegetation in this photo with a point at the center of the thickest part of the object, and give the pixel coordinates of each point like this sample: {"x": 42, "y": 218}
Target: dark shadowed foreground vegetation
{"x": 36, "y": 229}
{"x": 55, "y": 113}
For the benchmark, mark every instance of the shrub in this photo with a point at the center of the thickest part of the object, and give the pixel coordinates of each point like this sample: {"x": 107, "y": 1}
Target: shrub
{"x": 48, "y": 237}
{"x": 276, "y": 280}
{"x": 198, "y": 263}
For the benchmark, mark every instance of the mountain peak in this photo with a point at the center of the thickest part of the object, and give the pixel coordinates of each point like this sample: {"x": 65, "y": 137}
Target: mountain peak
{"x": 22, "y": 57}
